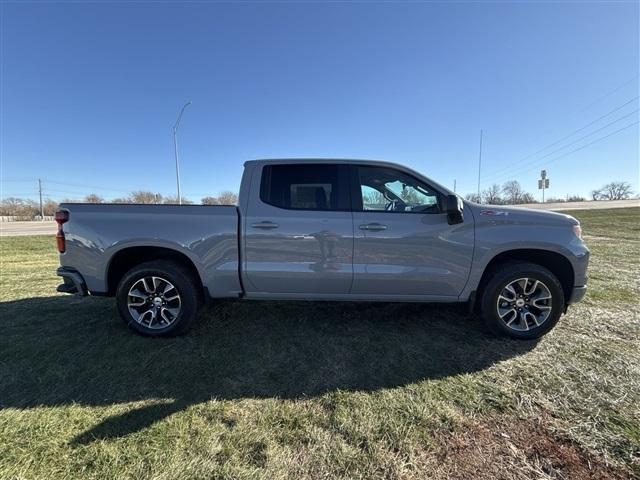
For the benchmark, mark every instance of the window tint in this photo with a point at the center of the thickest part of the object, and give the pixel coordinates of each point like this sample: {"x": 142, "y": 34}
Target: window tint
{"x": 304, "y": 187}
{"x": 385, "y": 189}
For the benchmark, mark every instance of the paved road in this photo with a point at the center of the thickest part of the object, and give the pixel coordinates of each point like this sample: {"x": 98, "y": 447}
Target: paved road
{"x": 635, "y": 202}
{"x": 14, "y": 229}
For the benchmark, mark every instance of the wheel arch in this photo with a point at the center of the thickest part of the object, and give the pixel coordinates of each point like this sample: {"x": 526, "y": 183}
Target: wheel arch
{"x": 555, "y": 262}
{"x": 126, "y": 258}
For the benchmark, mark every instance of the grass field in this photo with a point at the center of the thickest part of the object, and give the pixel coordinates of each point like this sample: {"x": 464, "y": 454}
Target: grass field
{"x": 320, "y": 390}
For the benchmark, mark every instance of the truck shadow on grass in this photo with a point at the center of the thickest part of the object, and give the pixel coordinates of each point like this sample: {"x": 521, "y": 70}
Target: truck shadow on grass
{"x": 59, "y": 351}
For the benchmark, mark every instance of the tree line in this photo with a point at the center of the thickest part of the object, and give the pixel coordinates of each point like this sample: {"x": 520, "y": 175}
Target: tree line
{"x": 27, "y": 208}
{"x": 512, "y": 193}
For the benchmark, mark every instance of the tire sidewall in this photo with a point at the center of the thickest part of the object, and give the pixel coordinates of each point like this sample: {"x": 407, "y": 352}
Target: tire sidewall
{"x": 177, "y": 277}
{"x": 501, "y": 279}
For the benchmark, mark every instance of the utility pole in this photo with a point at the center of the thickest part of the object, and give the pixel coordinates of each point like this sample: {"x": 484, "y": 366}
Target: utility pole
{"x": 479, "y": 164}
{"x": 41, "y": 206}
{"x": 175, "y": 149}
{"x": 454, "y": 185}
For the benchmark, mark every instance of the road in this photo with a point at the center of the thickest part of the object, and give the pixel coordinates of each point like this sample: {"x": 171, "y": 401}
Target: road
{"x": 634, "y": 202}
{"x": 15, "y": 229}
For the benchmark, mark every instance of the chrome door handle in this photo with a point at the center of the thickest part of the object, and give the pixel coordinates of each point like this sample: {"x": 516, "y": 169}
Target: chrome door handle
{"x": 374, "y": 227}
{"x": 265, "y": 225}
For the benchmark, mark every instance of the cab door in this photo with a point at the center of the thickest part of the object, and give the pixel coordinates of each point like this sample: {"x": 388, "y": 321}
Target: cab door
{"x": 403, "y": 245}
{"x": 299, "y": 231}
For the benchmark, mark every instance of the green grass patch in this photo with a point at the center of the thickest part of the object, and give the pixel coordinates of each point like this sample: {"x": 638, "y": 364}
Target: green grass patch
{"x": 319, "y": 390}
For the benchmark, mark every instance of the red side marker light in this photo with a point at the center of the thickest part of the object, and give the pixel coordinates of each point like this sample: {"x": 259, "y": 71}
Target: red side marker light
{"x": 61, "y": 216}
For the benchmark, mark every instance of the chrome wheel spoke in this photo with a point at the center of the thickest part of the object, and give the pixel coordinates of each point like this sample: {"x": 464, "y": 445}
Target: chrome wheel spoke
{"x": 137, "y": 294}
{"x": 532, "y": 288}
{"x": 524, "y": 303}
{"x": 147, "y": 283}
{"x": 530, "y": 316}
{"x": 511, "y": 291}
{"x": 522, "y": 284}
{"x": 148, "y": 304}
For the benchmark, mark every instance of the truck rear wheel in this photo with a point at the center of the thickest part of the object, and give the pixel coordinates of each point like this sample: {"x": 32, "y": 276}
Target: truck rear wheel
{"x": 522, "y": 300}
{"x": 158, "y": 298}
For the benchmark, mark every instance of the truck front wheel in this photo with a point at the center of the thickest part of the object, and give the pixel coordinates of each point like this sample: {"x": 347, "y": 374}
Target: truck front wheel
{"x": 158, "y": 298}
{"x": 522, "y": 300}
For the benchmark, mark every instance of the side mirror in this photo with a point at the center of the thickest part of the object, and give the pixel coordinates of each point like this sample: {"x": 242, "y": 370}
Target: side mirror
{"x": 454, "y": 209}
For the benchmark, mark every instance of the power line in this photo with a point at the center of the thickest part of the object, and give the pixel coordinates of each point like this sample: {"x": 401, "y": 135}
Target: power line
{"x": 499, "y": 176}
{"x": 583, "y": 146}
{"x": 517, "y": 162}
{"x": 94, "y": 187}
{"x": 608, "y": 94}
{"x": 592, "y": 142}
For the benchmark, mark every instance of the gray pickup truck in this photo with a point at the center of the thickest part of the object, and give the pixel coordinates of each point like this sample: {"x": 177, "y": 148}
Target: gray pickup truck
{"x": 326, "y": 230}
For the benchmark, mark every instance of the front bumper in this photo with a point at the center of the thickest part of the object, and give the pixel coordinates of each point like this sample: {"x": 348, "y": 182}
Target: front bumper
{"x": 577, "y": 294}
{"x": 73, "y": 282}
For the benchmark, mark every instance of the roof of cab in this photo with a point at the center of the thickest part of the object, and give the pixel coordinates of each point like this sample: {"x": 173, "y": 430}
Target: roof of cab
{"x": 382, "y": 163}
{"x": 315, "y": 160}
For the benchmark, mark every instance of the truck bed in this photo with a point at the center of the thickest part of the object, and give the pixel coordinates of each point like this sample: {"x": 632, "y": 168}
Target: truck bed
{"x": 96, "y": 234}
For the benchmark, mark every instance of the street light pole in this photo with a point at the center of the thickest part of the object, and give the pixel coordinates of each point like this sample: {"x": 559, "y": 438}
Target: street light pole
{"x": 175, "y": 149}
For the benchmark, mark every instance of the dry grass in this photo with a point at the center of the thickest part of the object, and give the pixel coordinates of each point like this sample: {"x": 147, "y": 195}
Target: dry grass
{"x": 317, "y": 390}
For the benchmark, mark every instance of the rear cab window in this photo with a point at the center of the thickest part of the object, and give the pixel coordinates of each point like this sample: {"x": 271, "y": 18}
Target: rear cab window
{"x": 322, "y": 187}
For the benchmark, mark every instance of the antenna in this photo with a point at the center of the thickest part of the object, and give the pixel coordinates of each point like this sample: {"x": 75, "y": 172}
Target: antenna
{"x": 479, "y": 164}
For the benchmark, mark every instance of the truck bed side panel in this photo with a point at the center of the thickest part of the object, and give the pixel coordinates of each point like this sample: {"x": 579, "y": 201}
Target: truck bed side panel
{"x": 207, "y": 235}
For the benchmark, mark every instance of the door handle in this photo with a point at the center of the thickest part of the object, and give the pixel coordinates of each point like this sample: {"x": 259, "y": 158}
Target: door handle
{"x": 265, "y": 225}
{"x": 373, "y": 227}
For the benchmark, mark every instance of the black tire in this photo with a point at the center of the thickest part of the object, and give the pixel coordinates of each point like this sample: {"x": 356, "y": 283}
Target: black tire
{"x": 503, "y": 276}
{"x": 171, "y": 273}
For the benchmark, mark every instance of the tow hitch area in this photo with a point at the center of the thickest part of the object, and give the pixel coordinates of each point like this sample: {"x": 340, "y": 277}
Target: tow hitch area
{"x": 73, "y": 282}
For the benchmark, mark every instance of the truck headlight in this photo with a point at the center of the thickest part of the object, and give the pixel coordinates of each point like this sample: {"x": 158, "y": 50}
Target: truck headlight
{"x": 577, "y": 229}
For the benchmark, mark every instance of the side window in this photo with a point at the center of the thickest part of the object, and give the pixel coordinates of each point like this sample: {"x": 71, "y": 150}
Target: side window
{"x": 387, "y": 190}
{"x": 305, "y": 187}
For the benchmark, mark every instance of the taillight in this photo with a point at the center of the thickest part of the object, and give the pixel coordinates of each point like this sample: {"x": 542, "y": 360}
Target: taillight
{"x": 62, "y": 216}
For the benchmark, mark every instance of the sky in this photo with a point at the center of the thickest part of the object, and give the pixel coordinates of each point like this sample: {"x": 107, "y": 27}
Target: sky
{"x": 90, "y": 92}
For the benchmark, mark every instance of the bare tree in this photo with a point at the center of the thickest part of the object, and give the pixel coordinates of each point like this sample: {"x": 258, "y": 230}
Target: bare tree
{"x": 121, "y": 200}
{"x": 228, "y": 198}
{"x": 93, "y": 198}
{"x": 512, "y": 192}
{"x": 472, "y": 197}
{"x": 492, "y": 195}
{"x": 527, "y": 197}
{"x": 225, "y": 198}
{"x": 142, "y": 196}
{"x": 19, "y": 207}
{"x": 174, "y": 201}
{"x": 209, "y": 201}
{"x": 613, "y": 191}
{"x": 50, "y": 207}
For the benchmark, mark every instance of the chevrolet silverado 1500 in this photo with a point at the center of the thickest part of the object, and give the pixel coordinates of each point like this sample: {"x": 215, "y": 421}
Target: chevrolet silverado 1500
{"x": 326, "y": 230}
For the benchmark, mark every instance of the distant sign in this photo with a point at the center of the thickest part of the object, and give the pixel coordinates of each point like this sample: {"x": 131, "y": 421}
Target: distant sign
{"x": 543, "y": 174}
{"x": 543, "y": 183}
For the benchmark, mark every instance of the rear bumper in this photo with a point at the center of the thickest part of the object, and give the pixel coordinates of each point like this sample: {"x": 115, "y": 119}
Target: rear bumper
{"x": 577, "y": 294}
{"x": 73, "y": 282}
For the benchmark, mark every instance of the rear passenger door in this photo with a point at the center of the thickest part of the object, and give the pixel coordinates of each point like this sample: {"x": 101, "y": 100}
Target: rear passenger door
{"x": 298, "y": 231}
